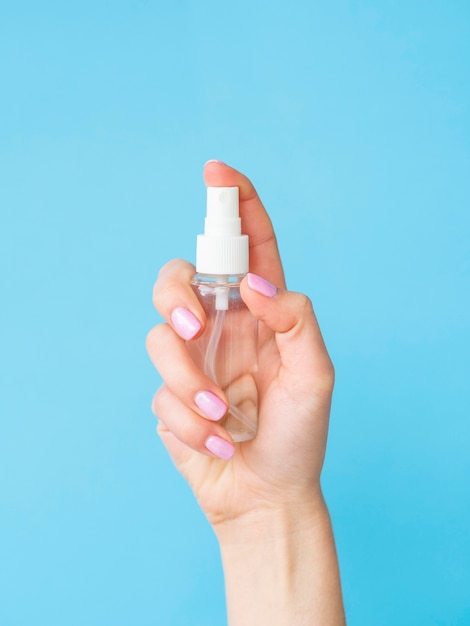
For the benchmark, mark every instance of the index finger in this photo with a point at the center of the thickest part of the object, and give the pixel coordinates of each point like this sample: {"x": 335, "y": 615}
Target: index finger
{"x": 264, "y": 254}
{"x": 176, "y": 301}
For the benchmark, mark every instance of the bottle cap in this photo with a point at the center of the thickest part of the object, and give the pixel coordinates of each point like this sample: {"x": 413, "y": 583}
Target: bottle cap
{"x": 222, "y": 249}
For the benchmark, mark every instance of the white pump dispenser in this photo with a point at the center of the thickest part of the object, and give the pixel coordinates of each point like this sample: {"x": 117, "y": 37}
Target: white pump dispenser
{"x": 222, "y": 249}
{"x": 227, "y": 350}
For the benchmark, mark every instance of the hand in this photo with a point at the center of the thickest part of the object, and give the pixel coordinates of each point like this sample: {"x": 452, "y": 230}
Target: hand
{"x": 281, "y": 467}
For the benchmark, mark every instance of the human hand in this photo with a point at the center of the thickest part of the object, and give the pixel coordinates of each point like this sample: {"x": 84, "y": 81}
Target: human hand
{"x": 281, "y": 467}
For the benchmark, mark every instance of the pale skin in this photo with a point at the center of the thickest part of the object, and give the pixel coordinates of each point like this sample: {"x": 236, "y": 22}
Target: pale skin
{"x": 263, "y": 499}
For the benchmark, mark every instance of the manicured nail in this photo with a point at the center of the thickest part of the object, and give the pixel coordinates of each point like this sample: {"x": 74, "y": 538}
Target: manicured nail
{"x": 185, "y": 323}
{"x": 221, "y": 448}
{"x": 211, "y": 405}
{"x": 261, "y": 285}
{"x": 215, "y": 161}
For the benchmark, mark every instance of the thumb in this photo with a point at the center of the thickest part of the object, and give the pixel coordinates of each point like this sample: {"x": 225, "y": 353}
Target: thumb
{"x": 291, "y": 317}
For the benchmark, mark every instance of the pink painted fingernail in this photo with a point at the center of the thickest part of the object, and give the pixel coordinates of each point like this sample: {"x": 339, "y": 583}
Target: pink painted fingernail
{"x": 215, "y": 161}
{"x": 261, "y": 285}
{"x": 185, "y": 323}
{"x": 221, "y": 448}
{"x": 211, "y": 405}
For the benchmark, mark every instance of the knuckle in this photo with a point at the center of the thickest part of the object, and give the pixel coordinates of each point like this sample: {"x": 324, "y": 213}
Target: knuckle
{"x": 149, "y": 339}
{"x": 302, "y": 304}
{"x": 158, "y": 337}
{"x": 159, "y": 290}
{"x": 158, "y": 402}
{"x": 169, "y": 267}
{"x": 305, "y": 304}
{"x": 301, "y": 311}
{"x": 161, "y": 429}
{"x": 325, "y": 380}
{"x": 152, "y": 338}
{"x": 170, "y": 278}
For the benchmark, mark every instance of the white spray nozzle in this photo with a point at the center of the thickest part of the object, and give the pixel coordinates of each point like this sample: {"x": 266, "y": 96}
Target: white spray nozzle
{"x": 222, "y": 214}
{"x": 222, "y": 249}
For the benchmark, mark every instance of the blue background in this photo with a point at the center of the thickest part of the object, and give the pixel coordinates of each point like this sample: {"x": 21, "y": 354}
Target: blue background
{"x": 352, "y": 118}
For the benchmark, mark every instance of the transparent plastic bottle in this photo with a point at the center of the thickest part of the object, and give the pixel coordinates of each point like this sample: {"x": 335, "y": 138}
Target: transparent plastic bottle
{"x": 227, "y": 351}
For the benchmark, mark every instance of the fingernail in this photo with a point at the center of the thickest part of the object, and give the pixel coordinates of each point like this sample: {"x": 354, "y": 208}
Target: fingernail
{"x": 261, "y": 285}
{"x": 185, "y": 323}
{"x": 221, "y": 448}
{"x": 211, "y": 405}
{"x": 215, "y": 161}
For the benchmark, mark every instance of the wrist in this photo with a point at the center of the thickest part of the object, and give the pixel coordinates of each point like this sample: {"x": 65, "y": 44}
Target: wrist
{"x": 280, "y": 566}
{"x": 273, "y": 520}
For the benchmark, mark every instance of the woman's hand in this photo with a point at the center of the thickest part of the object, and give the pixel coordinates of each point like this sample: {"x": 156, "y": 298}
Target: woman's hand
{"x": 263, "y": 496}
{"x": 281, "y": 467}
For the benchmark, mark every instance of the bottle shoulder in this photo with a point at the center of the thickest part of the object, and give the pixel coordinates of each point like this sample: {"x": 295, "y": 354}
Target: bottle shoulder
{"x": 217, "y": 281}
{"x": 218, "y": 292}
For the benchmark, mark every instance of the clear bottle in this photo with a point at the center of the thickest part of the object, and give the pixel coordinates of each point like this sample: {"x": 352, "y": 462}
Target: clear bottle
{"x": 227, "y": 351}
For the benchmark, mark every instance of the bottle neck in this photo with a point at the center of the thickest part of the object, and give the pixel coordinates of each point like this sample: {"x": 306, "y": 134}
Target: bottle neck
{"x": 219, "y": 279}
{"x": 220, "y": 286}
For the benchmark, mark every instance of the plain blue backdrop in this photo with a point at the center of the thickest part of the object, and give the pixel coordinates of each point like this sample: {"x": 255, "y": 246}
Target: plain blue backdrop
{"x": 352, "y": 118}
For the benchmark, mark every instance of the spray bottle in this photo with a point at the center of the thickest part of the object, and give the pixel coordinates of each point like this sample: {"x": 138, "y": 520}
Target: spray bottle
{"x": 227, "y": 351}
